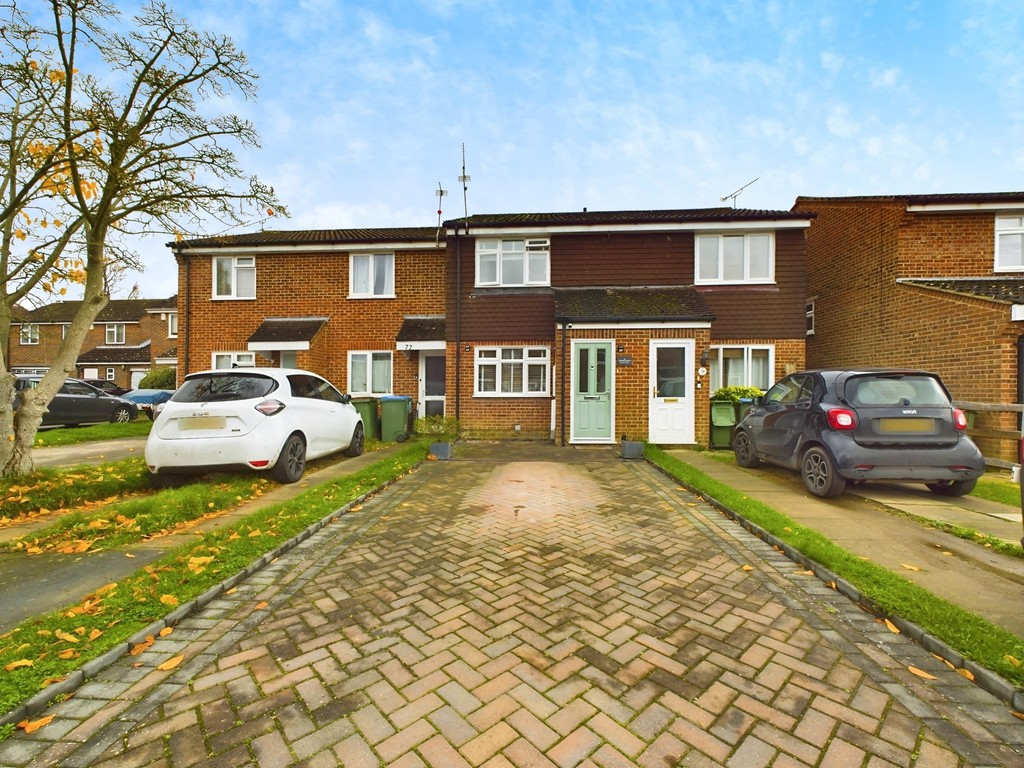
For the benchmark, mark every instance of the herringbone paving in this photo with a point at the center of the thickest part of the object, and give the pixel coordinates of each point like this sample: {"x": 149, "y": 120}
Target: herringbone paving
{"x": 529, "y": 606}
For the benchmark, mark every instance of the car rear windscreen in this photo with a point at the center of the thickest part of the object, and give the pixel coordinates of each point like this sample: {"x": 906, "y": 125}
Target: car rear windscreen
{"x": 224, "y": 386}
{"x": 895, "y": 391}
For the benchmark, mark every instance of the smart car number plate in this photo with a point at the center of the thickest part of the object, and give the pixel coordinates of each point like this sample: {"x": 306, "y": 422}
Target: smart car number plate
{"x": 202, "y": 422}
{"x": 897, "y": 425}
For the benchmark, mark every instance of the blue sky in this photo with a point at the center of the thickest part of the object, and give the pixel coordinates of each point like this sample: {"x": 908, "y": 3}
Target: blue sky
{"x": 364, "y": 107}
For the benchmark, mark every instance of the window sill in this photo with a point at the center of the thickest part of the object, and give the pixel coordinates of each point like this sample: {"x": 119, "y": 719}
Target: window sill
{"x": 511, "y": 395}
{"x": 361, "y": 296}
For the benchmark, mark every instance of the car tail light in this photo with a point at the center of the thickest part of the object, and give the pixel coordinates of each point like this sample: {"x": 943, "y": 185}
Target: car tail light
{"x": 959, "y": 420}
{"x": 842, "y": 418}
{"x": 270, "y": 407}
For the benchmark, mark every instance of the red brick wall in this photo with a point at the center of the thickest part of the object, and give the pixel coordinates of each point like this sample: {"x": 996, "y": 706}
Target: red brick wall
{"x": 310, "y": 284}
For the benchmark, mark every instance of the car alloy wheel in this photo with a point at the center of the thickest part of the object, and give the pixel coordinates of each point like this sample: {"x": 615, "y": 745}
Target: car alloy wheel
{"x": 122, "y": 415}
{"x": 355, "y": 447}
{"x": 820, "y": 475}
{"x": 292, "y": 462}
{"x": 743, "y": 447}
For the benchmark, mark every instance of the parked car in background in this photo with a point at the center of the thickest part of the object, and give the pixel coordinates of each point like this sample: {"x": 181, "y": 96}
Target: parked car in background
{"x": 267, "y": 419}
{"x": 837, "y": 426}
{"x": 78, "y": 403}
{"x": 107, "y": 386}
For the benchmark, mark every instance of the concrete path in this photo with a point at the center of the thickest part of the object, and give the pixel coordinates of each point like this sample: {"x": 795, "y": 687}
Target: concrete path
{"x": 529, "y": 606}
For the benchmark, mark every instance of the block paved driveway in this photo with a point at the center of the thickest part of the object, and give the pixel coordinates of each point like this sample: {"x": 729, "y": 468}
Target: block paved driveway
{"x": 529, "y": 605}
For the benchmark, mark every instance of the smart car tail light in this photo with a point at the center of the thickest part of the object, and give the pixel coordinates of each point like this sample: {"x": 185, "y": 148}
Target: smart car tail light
{"x": 270, "y": 407}
{"x": 959, "y": 420}
{"x": 842, "y": 418}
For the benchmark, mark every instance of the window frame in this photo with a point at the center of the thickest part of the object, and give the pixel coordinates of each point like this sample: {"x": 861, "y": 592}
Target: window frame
{"x": 494, "y": 249}
{"x": 533, "y": 357}
{"x": 810, "y": 317}
{"x": 369, "y": 355}
{"x": 114, "y": 333}
{"x": 172, "y": 325}
{"x": 238, "y": 263}
{"x": 111, "y": 374}
{"x": 28, "y": 335}
{"x": 721, "y": 238}
{"x": 715, "y": 366}
{"x": 389, "y": 280}
{"x": 1018, "y": 231}
{"x": 244, "y": 359}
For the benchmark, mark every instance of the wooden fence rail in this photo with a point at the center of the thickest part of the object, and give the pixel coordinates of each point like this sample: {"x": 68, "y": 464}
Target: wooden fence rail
{"x": 997, "y": 434}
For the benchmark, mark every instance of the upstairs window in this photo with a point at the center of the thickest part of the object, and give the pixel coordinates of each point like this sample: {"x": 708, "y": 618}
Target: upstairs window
{"x": 172, "y": 325}
{"x": 234, "y": 277}
{"x": 513, "y": 263}
{"x": 734, "y": 259}
{"x": 115, "y": 333}
{"x": 1009, "y": 244}
{"x": 371, "y": 275}
{"x": 29, "y": 335}
{"x": 810, "y": 317}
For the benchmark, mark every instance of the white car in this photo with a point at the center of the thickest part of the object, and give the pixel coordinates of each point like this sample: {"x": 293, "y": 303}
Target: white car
{"x": 268, "y": 419}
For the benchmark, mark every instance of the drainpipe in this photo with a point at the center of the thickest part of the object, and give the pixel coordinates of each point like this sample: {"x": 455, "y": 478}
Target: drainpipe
{"x": 458, "y": 323}
{"x": 565, "y": 367}
{"x": 1020, "y": 424}
{"x": 188, "y": 304}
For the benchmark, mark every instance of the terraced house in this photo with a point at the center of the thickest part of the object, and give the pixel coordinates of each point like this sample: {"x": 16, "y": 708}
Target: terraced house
{"x": 577, "y": 327}
{"x": 128, "y": 339}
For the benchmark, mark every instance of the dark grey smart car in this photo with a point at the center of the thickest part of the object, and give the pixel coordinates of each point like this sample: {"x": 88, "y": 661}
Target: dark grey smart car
{"x": 839, "y": 426}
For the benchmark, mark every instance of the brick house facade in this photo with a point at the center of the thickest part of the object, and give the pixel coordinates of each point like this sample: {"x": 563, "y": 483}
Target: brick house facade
{"x": 923, "y": 281}
{"x": 127, "y": 340}
{"x": 618, "y": 324}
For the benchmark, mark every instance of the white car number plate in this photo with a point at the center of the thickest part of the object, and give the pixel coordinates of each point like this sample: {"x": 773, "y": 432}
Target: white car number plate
{"x": 203, "y": 422}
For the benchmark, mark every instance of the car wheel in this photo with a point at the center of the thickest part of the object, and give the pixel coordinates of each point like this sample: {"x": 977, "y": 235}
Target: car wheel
{"x": 355, "y": 447}
{"x": 952, "y": 487}
{"x": 743, "y": 447}
{"x": 820, "y": 475}
{"x": 291, "y": 462}
{"x": 121, "y": 415}
{"x": 161, "y": 481}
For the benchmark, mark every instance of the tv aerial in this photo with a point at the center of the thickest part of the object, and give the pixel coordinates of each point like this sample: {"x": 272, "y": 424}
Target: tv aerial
{"x": 737, "y": 193}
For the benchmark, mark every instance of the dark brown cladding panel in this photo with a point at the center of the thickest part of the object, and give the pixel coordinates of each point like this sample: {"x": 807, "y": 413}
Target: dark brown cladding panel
{"x": 622, "y": 259}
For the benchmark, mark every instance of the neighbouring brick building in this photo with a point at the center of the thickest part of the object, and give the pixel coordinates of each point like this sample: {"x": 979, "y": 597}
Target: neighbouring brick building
{"x": 127, "y": 340}
{"x": 925, "y": 281}
{"x": 578, "y": 327}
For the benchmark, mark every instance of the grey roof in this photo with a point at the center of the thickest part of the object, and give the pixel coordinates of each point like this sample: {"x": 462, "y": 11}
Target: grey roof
{"x": 422, "y": 329}
{"x": 955, "y": 198}
{"x": 1006, "y": 290}
{"x": 657, "y": 304}
{"x": 281, "y": 329}
{"x": 313, "y": 237}
{"x": 110, "y": 355}
{"x": 682, "y": 217}
{"x": 116, "y": 310}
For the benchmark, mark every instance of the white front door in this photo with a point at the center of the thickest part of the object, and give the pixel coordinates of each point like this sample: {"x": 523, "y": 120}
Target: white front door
{"x": 432, "y": 390}
{"x": 670, "y": 410}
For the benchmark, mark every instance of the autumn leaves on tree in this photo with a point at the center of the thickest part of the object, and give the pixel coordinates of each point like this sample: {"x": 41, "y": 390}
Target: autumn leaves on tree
{"x": 105, "y": 135}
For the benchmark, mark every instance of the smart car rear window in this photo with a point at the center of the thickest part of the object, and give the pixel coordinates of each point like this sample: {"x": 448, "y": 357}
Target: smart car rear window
{"x": 895, "y": 391}
{"x": 219, "y": 387}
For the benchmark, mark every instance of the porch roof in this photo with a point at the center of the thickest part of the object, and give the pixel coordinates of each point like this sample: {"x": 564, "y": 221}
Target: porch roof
{"x": 1005, "y": 290}
{"x": 631, "y": 304}
{"x": 110, "y": 355}
{"x": 285, "y": 333}
{"x": 421, "y": 333}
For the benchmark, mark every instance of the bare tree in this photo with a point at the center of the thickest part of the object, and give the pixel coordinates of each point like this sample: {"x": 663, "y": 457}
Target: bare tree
{"x": 92, "y": 159}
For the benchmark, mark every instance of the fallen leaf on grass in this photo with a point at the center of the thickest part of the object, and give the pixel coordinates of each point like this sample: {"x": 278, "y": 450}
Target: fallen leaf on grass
{"x": 67, "y": 637}
{"x": 171, "y": 663}
{"x": 70, "y": 653}
{"x": 1008, "y": 658}
{"x": 170, "y": 600}
{"x": 921, "y": 673}
{"x": 31, "y": 726}
{"x": 18, "y": 664}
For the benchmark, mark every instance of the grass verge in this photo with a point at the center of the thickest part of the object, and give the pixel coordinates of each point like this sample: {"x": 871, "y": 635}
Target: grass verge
{"x": 972, "y": 636}
{"x": 49, "y": 438}
{"x": 47, "y": 648}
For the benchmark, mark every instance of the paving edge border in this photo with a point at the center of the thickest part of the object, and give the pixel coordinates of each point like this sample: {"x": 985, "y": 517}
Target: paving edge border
{"x": 44, "y": 698}
{"x": 985, "y": 678}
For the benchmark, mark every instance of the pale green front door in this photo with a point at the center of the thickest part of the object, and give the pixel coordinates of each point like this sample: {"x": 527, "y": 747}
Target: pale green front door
{"x": 592, "y": 392}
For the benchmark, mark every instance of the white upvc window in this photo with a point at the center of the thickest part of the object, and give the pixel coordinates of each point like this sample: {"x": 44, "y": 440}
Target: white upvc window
{"x": 369, "y": 373}
{"x": 1009, "y": 244}
{"x": 726, "y": 258}
{"x": 745, "y": 366}
{"x": 234, "y": 359}
{"x": 29, "y": 335}
{"x": 810, "y": 317}
{"x": 513, "y": 263}
{"x": 371, "y": 276}
{"x": 172, "y": 325}
{"x": 511, "y": 371}
{"x": 234, "y": 277}
{"x": 115, "y": 333}
{"x": 111, "y": 374}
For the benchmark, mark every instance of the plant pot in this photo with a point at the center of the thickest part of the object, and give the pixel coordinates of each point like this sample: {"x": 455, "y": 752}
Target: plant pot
{"x": 632, "y": 449}
{"x": 441, "y": 451}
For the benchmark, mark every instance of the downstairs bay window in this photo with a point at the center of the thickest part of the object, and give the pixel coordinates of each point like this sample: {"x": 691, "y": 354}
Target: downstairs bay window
{"x": 511, "y": 371}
